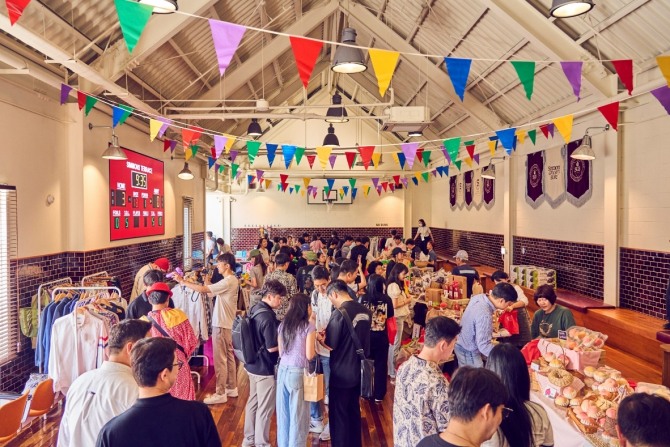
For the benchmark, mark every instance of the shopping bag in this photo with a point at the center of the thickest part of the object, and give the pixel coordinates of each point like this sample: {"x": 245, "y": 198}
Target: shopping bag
{"x": 510, "y": 321}
{"x": 367, "y": 378}
{"x": 392, "y": 329}
{"x": 314, "y": 386}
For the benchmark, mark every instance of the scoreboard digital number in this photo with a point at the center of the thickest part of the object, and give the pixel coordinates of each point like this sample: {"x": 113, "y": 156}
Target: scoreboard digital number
{"x": 138, "y": 180}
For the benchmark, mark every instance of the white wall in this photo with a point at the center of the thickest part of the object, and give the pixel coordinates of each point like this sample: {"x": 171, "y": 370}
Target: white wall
{"x": 214, "y": 203}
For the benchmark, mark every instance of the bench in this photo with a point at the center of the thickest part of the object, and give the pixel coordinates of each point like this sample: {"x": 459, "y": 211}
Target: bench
{"x": 664, "y": 337}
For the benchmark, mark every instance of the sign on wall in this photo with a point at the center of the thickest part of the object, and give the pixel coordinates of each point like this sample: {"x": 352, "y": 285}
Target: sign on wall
{"x": 136, "y": 197}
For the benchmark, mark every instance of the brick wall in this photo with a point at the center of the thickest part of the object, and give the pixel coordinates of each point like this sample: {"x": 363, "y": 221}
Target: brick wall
{"x": 579, "y": 267}
{"x": 483, "y": 248}
{"x": 643, "y": 279}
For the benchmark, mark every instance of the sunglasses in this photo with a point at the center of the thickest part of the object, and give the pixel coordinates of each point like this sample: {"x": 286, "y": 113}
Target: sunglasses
{"x": 506, "y": 412}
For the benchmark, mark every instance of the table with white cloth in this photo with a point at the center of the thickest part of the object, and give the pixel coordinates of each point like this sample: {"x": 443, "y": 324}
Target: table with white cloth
{"x": 566, "y": 434}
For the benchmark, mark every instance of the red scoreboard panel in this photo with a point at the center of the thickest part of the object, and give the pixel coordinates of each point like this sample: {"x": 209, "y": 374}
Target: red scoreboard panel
{"x": 136, "y": 197}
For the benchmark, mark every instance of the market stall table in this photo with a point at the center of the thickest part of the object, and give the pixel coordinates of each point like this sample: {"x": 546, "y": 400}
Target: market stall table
{"x": 565, "y": 432}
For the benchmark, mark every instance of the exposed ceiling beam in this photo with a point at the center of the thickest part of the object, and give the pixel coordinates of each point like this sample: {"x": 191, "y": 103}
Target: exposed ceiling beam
{"x": 188, "y": 61}
{"x": 548, "y": 37}
{"x": 419, "y": 22}
{"x": 625, "y": 10}
{"x": 160, "y": 29}
{"x": 297, "y": 7}
{"x": 278, "y": 75}
{"x": 439, "y": 77}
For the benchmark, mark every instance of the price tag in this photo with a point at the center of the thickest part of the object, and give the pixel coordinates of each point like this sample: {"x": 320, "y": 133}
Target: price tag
{"x": 562, "y": 335}
{"x": 551, "y": 393}
{"x": 535, "y": 366}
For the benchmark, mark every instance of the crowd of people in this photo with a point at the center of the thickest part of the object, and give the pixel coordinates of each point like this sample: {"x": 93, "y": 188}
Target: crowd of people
{"x": 323, "y": 305}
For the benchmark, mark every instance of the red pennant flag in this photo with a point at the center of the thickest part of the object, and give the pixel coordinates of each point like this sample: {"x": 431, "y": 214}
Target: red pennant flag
{"x": 391, "y": 187}
{"x": 166, "y": 145}
{"x": 396, "y": 179}
{"x": 310, "y": 160}
{"x": 213, "y": 151}
{"x": 15, "y": 9}
{"x": 471, "y": 150}
{"x": 283, "y": 178}
{"x": 385, "y": 185}
{"x": 545, "y": 130}
{"x": 81, "y": 99}
{"x": 611, "y": 113}
{"x": 624, "y": 68}
{"x": 190, "y": 136}
{"x": 366, "y": 155}
{"x": 351, "y": 158}
{"x": 306, "y": 52}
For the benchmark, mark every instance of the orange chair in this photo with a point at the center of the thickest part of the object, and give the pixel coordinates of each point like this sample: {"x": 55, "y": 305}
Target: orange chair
{"x": 11, "y": 415}
{"x": 43, "y": 398}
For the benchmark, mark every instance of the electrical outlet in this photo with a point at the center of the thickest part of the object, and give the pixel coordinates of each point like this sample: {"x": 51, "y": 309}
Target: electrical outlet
{"x": 523, "y": 250}
{"x": 503, "y": 251}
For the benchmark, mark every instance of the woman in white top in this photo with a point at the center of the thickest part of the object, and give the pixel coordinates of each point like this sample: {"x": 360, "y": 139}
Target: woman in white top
{"x": 395, "y": 286}
{"x": 263, "y": 248}
{"x": 528, "y": 424}
{"x": 423, "y": 235}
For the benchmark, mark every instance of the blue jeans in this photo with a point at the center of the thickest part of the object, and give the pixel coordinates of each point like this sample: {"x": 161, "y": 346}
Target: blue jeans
{"x": 292, "y": 410}
{"x": 469, "y": 358}
{"x": 315, "y": 411}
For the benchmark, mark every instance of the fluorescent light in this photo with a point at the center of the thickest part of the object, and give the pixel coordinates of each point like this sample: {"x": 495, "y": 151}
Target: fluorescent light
{"x": 162, "y": 6}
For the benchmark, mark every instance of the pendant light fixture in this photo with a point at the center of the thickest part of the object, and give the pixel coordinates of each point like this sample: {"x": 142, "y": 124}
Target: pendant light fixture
{"x": 161, "y": 6}
{"x": 337, "y": 114}
{"x": 489, "y": 172}
{"x": 414, "y": 133}
{"x": 348, "y": 59}
{"x": 114, "y": 152}
{"x": 585, "y": 150}
{"x": 563, "y": 9}
{"x": 331, "y": 139}
{"x": 254, "y": 129}
{"x": 185, "y": 173}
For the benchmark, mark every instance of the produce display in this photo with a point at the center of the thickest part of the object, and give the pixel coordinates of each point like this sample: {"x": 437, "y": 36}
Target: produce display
{"x": 532, "y": 276}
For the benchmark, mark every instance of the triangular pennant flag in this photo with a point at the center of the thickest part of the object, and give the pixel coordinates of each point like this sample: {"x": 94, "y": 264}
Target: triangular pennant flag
{"x": 305, "y": 51}
{"x": 521, "y": 136}
{"x": 210, "y": 162}
{"x": 253, "y": 147}
{"x": 290, "y": 190}
{"x": 409, "y": 149}
{"x": 120, "y": 113}
{"x": 272, "y": 150}
{"x": 217, "y": 166}
{"x": 306, "y": 181}
{"x": 268, "y": 182}
{"x": 662, "y": 61}
{"x": 15, "y": 9}
{"x": 366, "y": 155}
{"x": 222, "y": 169}
{"x": 310, "y": 160}
{"x": 452, "y": 145}
{"x": 345, "y": 189}
{"x": 283, "y": 178}
{"x": 526, "y": 72}
{"x": 404, "y": 181}
{"x": 190, "y": 136}
{"x": 90, "y": 102}
{"x": 284, "y": 186}
{"x": 550, "y": 129}
{"x": 611, "y": 113}
{"x": 385, "y": 185}
{"x": 64, "y": 92}
{"x": 166, "y": 144}
{"x": 440, "y": 170}
{"x": 395, "y": 157}
{"x": 573, "y": 71}
{"x": 366, "y": 190}
{"x": 219, "y": 144}
{"x": 326, "y": 189}
{"x": 396, "y": 179}
{"x": 351, "y": 158}
{"x": 296, "y": 187}
{"x": 392, "y": 187}
{"x": 279, "y": 187}
{"x": 230, "y": 142}
{"x": 154, "y": 127}
{"x": 299, "y": 152}
{"x": 470, "y": 148}
{"x": 173, "y": 145}
{"x": 434, "y": 172}
{"x": 332, "y": 159}
{"x": 457, "y": 163}
{"x": 133, "y": 17}
{"x": 233, "y": 170}
{"x": 624, "y": 68}
{"x": 166, "y": 123}
{"x": 341, "y": 194}
{"x": 506, "y": 137}
{"x": 288, "y": 152}
{"x": 468, "y": 161}
{"x": 492, "y": 147}
{"x": 259, "y": 174}
{"x": 376, "y": 158}
{"x": 314, "y": 192}
{"x": 415, "y": 179}
{"x": 233, "y": 155}
{"x": 401, "y": 160}
{"x": 476, "y": 158}
{"x": 250, "y": 179}
{"x": 662, "y": 94}
{"x": 323, "y": 153}
{"x": 458, "y": 70}
{"x": 375, "y": 182}
{"x": 384, "y": 63}
{"x": 354, "y": 191}
{"x": 532, "y": 134}
{"x": 81, "y": 99}
{"x": 426, "y": 157}
{"x": 426, "y": 176}
{"x": 545, "y": 130}
{"x": 379, "y": 190}
{"x": 226, "y": 37}
{"x": 564, "y": 126}
{"x": 194, "y": 150}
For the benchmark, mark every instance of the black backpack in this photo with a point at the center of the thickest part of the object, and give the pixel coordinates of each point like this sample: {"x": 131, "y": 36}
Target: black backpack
{"x": 245, "y": 345}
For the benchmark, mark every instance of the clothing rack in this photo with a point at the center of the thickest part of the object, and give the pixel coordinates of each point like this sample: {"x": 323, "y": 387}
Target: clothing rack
{"x": 57, "y": 290}
{"x": 99, "y": 276}
{"x": 61, "y": 281}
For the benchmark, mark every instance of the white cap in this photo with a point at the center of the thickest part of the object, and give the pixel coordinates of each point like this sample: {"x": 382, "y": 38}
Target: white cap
{"x": 462, "y": 255}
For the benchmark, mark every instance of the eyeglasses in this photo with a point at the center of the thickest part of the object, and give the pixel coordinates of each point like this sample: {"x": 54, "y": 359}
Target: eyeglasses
{"x": 506, "y": 412}
{"x": 179, "y": 364}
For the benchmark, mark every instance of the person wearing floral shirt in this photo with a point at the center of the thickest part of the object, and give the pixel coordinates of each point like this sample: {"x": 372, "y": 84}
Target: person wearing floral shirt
{"x": 421, "y": 406}
{"x": 282, "y": 261}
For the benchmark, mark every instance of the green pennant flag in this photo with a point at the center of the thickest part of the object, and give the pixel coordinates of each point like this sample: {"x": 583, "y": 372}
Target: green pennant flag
{"x": 194, "y": 150}
{"x": 278, "y": 186}
{"x": 532, "y": 134}
{"x": 133, "y": 18}
{"x": 253, "y": 147}
{"x": 526, "y": 72}
{"x": 222, "y": 169}
{"x": 452, "y": 145}
{"x": 457, "y": 163}
{"x": 297, "y": 188}
{"x": 352, "y": 182}
{"x": 299, "y": 152}
{"x": 425, "y": 176}
{"x": 233, "y": 170}
{"x": 425, "y": 155}
{"x": 90, "y": 102}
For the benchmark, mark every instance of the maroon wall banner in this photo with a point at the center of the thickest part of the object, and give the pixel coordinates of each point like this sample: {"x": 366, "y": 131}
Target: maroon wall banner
{"x": 489, "y": 193}
{"x": 534, "y": 179}
{"x": 578, "y": 175}
{"x": 452, "y": 191}
{"x": 136, "y": 197}
{"x": 467, "y": 180}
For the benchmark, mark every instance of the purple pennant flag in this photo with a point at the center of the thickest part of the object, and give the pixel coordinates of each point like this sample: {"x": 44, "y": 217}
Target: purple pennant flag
{"x": 332, "y": 159}
{"x": 476, "y": 158}
{"x": 409, "y": 150}
{"x": 573, "y": 71}
{"x": 375, "y": 182}
{"x": 166, "y": 123}
{"x": 551, "y": 127}
{"x": 64, "y": 93}
{"x": 272, "y": 150}
{"x": 219, "y": 144}
{"x": 452, "y": 191}
{"x": 173, "y": 144}
{"x": 404, "y": 181}
{"x": 259, "y": 174}
{"x": 662, "y": 94}
{"x": 233, "y": 156}
{"x": 227, "y": 37}
{"x": 446, "y": 155}
{"x": 434, "y": 172}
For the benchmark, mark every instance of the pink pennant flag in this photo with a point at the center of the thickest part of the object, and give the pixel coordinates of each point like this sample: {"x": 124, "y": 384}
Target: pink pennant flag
{"x": 409, "y": 149}
{"x": 404, "y": 181}
{"x": 332, "y": 160}
{"x": 219, "y": 144}
{"x": 226, "y": 37}
{"x": 573, "y": 71}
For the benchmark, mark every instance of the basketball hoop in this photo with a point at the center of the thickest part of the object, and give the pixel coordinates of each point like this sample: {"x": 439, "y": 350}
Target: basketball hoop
{"x": 329, "y": 204}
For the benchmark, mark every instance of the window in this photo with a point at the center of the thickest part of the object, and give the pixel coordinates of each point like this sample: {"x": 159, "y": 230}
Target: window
{"x": 188, "y": 230}
{"x": 9, "y": 320}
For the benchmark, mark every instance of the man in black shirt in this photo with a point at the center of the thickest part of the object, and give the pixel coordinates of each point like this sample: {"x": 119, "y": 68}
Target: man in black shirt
{"x": 304, "y": 275}
{"x": 359, "y": 252}
{"x": 413, "y": 250}
{"x": 140, "y": 306}
{"x": 463, "y": 269}
{"x": 262, "y": 385}
{"x": 157, "y": 419}
{"x": 397, "y": 256}
{"x": 345, "y": 370}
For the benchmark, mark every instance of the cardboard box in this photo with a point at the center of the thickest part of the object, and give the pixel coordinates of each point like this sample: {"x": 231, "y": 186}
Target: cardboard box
{"x": 434, "y": 296}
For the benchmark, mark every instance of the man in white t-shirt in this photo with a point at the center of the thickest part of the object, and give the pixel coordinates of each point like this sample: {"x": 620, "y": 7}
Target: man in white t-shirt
{"x": 97, "y": 396}
{"x": 223, "y": 315}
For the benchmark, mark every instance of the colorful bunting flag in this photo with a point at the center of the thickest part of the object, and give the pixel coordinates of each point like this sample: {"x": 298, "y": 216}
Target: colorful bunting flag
{"x": 283, "y": 178}
{"x": 268, "y": 182}
{"x": 288, "y": 152}
{"x": 425, "y": 155}
{"x": 458, "y": 70}
{"x": 120, "y": 113}
{"x": 468, "y": 161}
{"x": 564, "y": 126}
{"x": 385, "y": 186}
{"x": 409, "y": 150}
{"x": 384, "y": 63}
{"x": 64, "y": 92}
{"x": 366, "y": 155}
{"x": 506, "y": 137}
{"x": 219, "y": 144}
{"x": 169, "y": 144}
{"x": 332, "y": 159}
{"x": 470, "y": 148}
{"x": 366, "y": 190}
{"x": 611, "y": 113}
{"x": 375, "y": 182}
{"x": 521, "y": 136}
{"x": 404, "y": 181}
{"x": 426, "y": 176}
{"x": 351, "y": 158}
{"x": 662, "y": 94}
{"x": 396, "y": 179}
{"x": 272, "y": 151}
{"x": 492, "y": 147}
{"x": 222, "y": 169}
{"x": 476, "y": 158}
{"x": 296, "y": 187}
{"x": 305, "y": 52}
{"x": 233, "y": 155}
{"x": 663, "y": 65}
{"x": 133, "y": 17}
{"x": 452, "y": 145}
{"x": 252, "y": 148}
{"x": 81, "y": 99}
{"x": 194, "y": 150}
{"x": 545, "y": 130}
{"x": 15, "y": 9}
{"x": 526, "y": 72}
{"x": 250, "y": 179}
{"x": 166, "y": 123}
{"x": 299, "y": 152}
{"x": 259, "y": 175}
{"x": 330, "y": 182}
{"x": 306, "y": 181}
{"x": 376, "y": 158}
{"x": 310, "y": 160}
{"x": 291, "y": 190}
{"x": 90, "y": 103}
{"x": 624, "y": 68}
{"x": 323, "y": 153}
{"x": 401, "y": 160}
{"x": 154, "y": 127}
{"x": 226, "y": 37}
{"x": 190, "y": 136}
{"x": 230, "y": 142}
{"x": 354, "y": 191}
{"x": 532, "y": 134}
{"x": 573, "y": 71}
{"x": 352, "y": 183}
{"x": 457, "y": 163}
{"x": 415, "y": 179}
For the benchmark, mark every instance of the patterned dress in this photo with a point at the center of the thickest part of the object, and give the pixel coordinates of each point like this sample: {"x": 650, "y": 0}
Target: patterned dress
{"x": 176, "y": 324}
{"x": 291, "y": 285}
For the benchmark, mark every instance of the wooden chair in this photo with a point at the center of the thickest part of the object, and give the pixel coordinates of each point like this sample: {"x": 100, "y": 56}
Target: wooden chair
{"x": 11, "y": 415}
{"x": 43, "y": 398}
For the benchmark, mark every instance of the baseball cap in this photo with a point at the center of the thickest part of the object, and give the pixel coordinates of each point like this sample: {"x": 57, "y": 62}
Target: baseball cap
{"x": 462, "y": 255}
{"x": 310, "y": 255}
{"x": 162, "y": 263}
{"x": 255, "y": 252}
{"x": 159, "y": 287}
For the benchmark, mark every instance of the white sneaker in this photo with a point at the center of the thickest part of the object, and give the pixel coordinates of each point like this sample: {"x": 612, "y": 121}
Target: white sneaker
{"x": 231, "y": 393}
{"x": 325, "y": 434}
{"x": 215, "y": 399}
{"x": 315, "y": 426}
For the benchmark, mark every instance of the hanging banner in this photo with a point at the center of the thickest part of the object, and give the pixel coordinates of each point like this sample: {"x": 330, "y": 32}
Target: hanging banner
{"x": 489, "y": 193}
{"x": 460, "y": 191}
{"x": 226, "y": 37}
{"x": 467, "y": 189}
{"x": 452, "y": 192}
{"x": 477, "y": 189}
{"x": 306, "y": 52}
{"x": 554, "y": 176}
{"x": 534, "y": 185}
{"x": 579, "y": 177}
{"x": 383, "y": 63}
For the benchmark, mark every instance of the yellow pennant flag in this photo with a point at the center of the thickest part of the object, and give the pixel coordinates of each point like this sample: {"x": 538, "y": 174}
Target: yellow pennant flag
{"x": 323, "y": 153}
{"x": 395, "y": 157}
{"x": 417, "y": 177}
{"x": 376, "y": 157}
{"x": 188, "y": 153}
{"x": 468, "y": 161}
{"x": 230, "y": 142}
{"x": 492, "y": 147}
{"x": 664, "y": 65}
{"x": 521, "y": 136}
{"x": 384, "y": 63}
{"x": 154, "y": 127}
{"x": 268, "y": 182}
{"x": 564, "y": 126}
{"x": 306, "y": 181}
{"x": 366, "y": 191}
{"x": 302, "y": 192}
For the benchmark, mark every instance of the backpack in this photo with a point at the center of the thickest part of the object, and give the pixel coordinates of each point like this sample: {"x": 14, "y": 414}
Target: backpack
{"x": 245, "y": 345}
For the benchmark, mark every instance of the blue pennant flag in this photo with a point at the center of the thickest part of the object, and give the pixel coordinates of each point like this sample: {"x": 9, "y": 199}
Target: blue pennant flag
{"x": 331, "y": 183}
{"x": 289, "y": 152}
{"x": 354, "y": 191}
{"x": 272, "y": 150}
{"x": 506, "y": 137}
{"x": 458, "y": 70}
{"x": 250, "y": 179}
{"x": 210, "y": 162}
{"x": 416, "y": 181}
{"x": 445, "y": 169}
{"x": 346, "y": 190}
{"x": 401, "y": 159}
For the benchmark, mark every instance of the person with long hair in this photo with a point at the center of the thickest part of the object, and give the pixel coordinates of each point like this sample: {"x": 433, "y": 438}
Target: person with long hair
{"x": 528, "y": 424}
{"x": 395, "y": 289}
{"x": 258, "y": 271}
{"x": 263, "y": 248}
{"x": 297, "y": 346}
{"x": 381, "y": 307}
{"x": 423, "y": 234}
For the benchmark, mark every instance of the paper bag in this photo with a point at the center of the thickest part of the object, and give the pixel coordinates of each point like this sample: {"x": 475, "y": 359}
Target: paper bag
{"x": 314, "y": 387}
